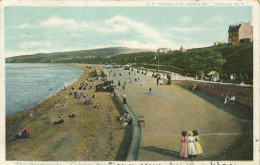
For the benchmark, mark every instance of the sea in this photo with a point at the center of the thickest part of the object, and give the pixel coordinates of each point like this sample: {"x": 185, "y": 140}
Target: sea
{"x": 29, "y": 84}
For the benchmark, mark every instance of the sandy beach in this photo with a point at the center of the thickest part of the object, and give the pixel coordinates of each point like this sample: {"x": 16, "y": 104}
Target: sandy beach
{"x": 94, "y": 134}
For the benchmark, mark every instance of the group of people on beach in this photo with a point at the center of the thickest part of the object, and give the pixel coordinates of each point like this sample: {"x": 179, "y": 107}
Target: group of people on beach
{"x": 125, "y": 119}
{"x": 190, "y": 146}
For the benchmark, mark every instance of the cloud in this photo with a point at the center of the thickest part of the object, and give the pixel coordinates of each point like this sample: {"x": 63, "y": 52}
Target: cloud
{"x": 148, "y": 36}
{"x": 55, "y": 21}
{"x": 185, "y": 19}
{"x": 23, "y": 26}
{"x": 187, "y": 29}
{"x": 112, "y": 25}
{"x": 200, "y": 45}
{"x": 147, "y": 32}
{"x": 214, "y": 20}
{"x": 65, "y": 23}
{"x": 116, "y": 24}
{"x": 193, "y": 29}
{"x": 136, "y": 44}
{"x": 31, "y": 45}
{"x": 217, "y": 18}
{"x": 77, "y": 35}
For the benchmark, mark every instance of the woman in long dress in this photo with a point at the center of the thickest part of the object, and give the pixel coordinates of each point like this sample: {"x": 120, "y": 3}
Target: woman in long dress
{"x": 183, "y": 150}
{"x": 191, "y": 145}
{"x": 197, "y": 144}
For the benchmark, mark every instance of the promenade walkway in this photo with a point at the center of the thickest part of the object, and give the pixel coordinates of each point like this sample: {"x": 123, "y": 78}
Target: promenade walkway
{"x": 170, "y": 109}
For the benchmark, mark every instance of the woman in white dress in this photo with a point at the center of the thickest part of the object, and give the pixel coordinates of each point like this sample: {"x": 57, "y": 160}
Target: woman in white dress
{"x": 191, "y": 145}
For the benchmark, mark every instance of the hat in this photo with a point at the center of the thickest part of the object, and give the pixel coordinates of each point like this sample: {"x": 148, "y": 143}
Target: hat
{"x": 190, "y": 133}
{"x": 184, "y": 133}
{"x": 195, "y": 133}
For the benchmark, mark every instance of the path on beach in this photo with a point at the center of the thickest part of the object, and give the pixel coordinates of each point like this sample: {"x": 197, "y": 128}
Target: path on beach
{"x": 170, "y": 109}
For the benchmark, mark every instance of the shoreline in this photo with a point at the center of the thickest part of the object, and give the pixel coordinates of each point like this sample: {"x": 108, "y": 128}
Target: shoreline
{"x": 92, "y": 131}
{"x": 56, "y": 92}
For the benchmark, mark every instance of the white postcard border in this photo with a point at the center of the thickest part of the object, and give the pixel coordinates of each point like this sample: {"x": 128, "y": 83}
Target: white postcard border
{"x": 254, "y": 3}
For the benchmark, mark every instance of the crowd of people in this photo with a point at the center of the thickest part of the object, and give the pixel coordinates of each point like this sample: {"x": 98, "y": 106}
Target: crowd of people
{"x": 80, "y": 94}
{"x": 125, "y": 119}
{"x": 131, "y": 76}
{"x": 190, "y": 146}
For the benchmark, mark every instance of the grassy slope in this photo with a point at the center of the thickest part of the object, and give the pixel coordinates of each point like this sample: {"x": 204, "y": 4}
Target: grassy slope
{"x": 239, "y": 58}
{"x": 94, "y": 134}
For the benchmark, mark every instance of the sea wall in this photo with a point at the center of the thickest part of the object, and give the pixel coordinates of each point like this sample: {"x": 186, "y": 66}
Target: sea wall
{"x": 244, "y": 94}
{"x": 136, "y": 130}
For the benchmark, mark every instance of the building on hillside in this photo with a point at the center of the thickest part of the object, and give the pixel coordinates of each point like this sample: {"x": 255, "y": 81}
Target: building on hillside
{"x": 182, "y": 49}
{"x": 163, "y": 50}
{"x": 242, "y": 33}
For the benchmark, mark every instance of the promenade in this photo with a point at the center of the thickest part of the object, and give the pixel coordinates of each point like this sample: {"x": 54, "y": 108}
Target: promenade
{"x": 170, "y": 109}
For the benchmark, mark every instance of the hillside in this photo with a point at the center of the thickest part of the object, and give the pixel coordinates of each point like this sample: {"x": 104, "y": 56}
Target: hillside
{"x": 229, "y": 59}
{"x": 73, "y": 56}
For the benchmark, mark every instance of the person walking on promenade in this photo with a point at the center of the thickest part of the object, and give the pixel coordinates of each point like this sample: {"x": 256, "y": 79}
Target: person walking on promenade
{"x": 124, "y": 83}
{"x": 130, "y": 81}
{"x": 123, "y": 88}
{"x": 197, "y": 144}
{"x": 124, "y": 98}
{"x": 191, "y": 145}
{"x": 150, "y": 89}
{"x": 118, "y": 82}
{"x": 184, "y": 139}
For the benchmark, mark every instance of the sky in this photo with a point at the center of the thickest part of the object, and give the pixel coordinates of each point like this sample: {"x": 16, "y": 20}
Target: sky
{"x": 30, "y": 30}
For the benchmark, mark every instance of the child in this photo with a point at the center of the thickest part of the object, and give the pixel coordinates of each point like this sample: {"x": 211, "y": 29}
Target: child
{"x": 197, "y": 144}
{"x": 191, "y": 145}
{"x": 184, "y": 139}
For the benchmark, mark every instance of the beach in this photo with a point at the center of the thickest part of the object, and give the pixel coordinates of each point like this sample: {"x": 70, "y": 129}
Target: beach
{"x": 94, "y": 134}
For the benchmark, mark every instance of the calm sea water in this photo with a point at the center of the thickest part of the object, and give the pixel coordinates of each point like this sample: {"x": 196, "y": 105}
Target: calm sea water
{"x": 29, "y": 84}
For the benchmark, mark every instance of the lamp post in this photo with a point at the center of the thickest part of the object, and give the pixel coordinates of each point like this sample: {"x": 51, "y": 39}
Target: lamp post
{"x": 158, "y": 61}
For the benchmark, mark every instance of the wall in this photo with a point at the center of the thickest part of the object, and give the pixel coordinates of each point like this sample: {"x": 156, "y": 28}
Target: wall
{"x": 244, "y": 94}
{"x": 136, "y": 129}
